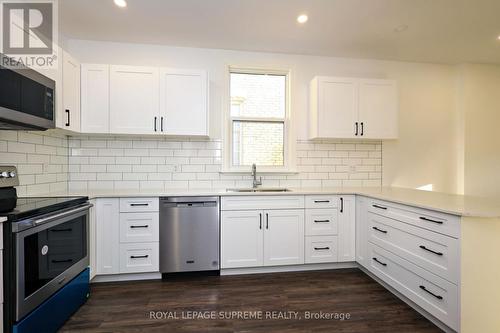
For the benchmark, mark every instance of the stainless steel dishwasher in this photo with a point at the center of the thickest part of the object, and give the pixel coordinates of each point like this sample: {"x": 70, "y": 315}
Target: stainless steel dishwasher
{"x": 189, "y": 234}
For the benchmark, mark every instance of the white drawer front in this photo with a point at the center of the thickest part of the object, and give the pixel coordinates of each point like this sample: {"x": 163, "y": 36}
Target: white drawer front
{"x": 321, "y": 201}
{"x": 435, "y": 252}
{"x": 139, "y": 227}
{"x": 131, "y": 205}
{"x": 139, "y": 257}
{"x": 443, "y": 223}
{"x": 437, "y": 296}
{"x": 320, "y": 249}
{"x": 262, "y": 202}
{"x": 321, "y": 222}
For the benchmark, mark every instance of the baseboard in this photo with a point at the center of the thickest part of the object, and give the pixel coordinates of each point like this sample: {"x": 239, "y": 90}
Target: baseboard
{"x": 289, "y": 268}
{"x": 126, "y": 277}
{"x": 408, "y": 301}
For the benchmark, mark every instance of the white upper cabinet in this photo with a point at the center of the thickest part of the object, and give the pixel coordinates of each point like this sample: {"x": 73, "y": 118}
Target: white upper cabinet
{"x": 334, "y": 105}
{"x": 353, "y": 108}
{"x": 183, "y": 102}
{"x": 378, "y": 109}
{"x": 134, "y": 100}
{"x": 71, "y": 93}
{"x": 95, "y": 98}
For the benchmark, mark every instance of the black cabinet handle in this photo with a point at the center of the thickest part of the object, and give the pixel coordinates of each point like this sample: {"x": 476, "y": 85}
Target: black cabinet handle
{"x": 321, "y": 221}
{"x": 321, "y": 248}
{"x": 138, "y": 226}
{"x": 380, "y": 262}
{"x": 362, "y": 129}
{"x": 59, "y": 261}
{"x": 429, "y": 250}
{"x": 429, "y": 292}
{"x": 161, "y": 124}
{"x": 430, "y": 220}
{"x": 260, "y": 221}
{"x": 139, "y": 204}
{"x": 267, "y": 221}
{"x": 68, "y": 117}
{"x": 379, "y": 230}
{"x": 61, "y": 230}
{"x": 321, "y": 201}
{"x": 155, "y": 122}
{"x": 356, "y": 129}
{"x": 139, "y": 257}
{"x": 341, "y": 205}
{"x": 379, "y": 207}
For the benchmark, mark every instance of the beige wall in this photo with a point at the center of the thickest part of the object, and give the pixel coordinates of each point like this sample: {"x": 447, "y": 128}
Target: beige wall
{"x": 479, "y": 107}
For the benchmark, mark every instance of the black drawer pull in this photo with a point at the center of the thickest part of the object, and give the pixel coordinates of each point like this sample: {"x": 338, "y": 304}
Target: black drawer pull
{"x": 139, "y": 204}
{"x": 322, "y": 248}
{"x": 430, "y": 220}
{"x": 61, "y": 230}
{"x": 260, "y": 221}
{"x": 425, "y": 289}
{"x": 379, "y": 230}
{"x": 379, "y": 207}
{"x": 139, "y": 226}
{"x": 139, "y": 257}
{"x": 321, "y": 221}
{"x": 380, "y": 262}
{"x": 59, "y": 261}
{"x": 321, "y": 201}
{"x": 426, "y": 249}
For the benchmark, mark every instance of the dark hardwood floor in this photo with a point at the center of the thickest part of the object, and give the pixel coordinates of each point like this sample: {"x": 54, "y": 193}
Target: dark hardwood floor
{"x": 126, "y": 306}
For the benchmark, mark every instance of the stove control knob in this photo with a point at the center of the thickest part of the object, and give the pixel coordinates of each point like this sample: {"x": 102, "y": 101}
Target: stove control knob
{"x": 12, "y": 174}
{"x": 4, "y": 174}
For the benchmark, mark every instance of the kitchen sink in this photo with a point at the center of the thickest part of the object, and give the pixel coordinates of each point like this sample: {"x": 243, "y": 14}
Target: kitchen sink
{"x": 261, "y": 189}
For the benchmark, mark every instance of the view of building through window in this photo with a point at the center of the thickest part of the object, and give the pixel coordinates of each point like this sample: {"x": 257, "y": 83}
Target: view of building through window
{"x": 258, "y": 104}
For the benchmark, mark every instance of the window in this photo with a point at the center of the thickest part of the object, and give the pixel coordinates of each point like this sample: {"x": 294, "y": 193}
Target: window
{"x": 258, "y": 119}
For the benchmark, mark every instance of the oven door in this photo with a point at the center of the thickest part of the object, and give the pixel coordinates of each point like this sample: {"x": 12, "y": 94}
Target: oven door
{"x": 50, "y": 255}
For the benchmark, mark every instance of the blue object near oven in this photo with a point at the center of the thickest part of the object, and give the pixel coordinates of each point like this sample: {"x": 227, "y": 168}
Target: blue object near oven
{"x": 51, "y": 314}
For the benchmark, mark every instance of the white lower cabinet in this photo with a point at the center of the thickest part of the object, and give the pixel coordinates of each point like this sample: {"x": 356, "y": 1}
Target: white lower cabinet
{"x": 107, "y": 236}
{"x": 284, "y": 237}
{"x": 434, "y": 294}
{"x": 254, "y": 238}
{"x": 347, "y": 228}
{"x": 321, "y": 249}
{"x": 415, "y": 251}
{"x": 125, "y": 242}
{"x": 139, "y": 257}
{"x": 362, "y": 231}
{"x": 242, "y": 241}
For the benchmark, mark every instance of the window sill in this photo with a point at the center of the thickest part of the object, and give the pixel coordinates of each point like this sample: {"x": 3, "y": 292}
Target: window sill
{"x": 259, "y": 172}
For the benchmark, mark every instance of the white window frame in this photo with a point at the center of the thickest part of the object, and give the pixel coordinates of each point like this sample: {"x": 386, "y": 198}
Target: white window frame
{"x": 288, "y": 132}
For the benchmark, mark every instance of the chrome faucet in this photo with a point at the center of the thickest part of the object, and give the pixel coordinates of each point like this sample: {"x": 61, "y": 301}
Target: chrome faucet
{"x": 254, "y": 175}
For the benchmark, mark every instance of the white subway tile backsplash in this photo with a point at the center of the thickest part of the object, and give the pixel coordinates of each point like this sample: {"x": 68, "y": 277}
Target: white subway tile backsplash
{"x": 40, "y": 157}
{"x": 98, "y": 162}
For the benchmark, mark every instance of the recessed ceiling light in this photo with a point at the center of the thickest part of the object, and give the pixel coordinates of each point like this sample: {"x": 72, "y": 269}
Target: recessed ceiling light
{"x": 498, "y": 37}
{"x": 121, "y": 3}
{"x": 302, "y": 18}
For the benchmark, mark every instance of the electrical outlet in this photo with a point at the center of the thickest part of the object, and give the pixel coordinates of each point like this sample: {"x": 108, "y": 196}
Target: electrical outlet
{"x": 177, "y": 168}
{"x": 352, "y": 168}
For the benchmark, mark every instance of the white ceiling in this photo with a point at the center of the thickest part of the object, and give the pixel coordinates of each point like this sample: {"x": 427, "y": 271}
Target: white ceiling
{"x": 442, "y": 31}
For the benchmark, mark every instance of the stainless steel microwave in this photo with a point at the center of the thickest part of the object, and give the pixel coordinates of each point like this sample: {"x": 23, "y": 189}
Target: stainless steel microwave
{"x": 26, "y": 100}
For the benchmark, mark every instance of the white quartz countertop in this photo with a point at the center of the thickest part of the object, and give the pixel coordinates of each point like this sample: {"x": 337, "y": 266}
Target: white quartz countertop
{"x": 442, "y": 202}
{"x": 3, "y": 219}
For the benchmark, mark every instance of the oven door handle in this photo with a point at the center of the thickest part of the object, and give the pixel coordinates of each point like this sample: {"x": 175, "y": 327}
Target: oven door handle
{"x": 62, "y": 215}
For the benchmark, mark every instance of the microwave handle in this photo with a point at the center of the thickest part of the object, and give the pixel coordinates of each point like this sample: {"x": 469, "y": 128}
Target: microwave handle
{"x": 67, "y": 122}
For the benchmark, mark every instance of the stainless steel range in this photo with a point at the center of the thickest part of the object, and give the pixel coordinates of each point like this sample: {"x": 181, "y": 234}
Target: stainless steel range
{"x": 45, "y": 251}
